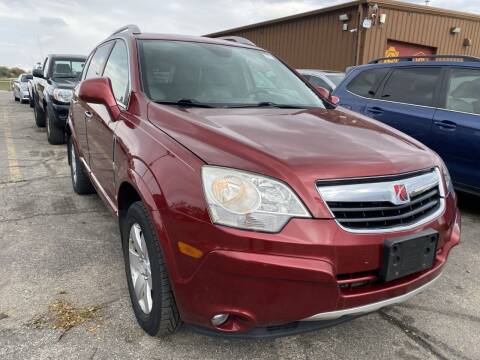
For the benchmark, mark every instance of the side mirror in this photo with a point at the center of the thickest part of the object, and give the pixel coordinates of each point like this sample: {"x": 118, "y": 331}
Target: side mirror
{"x": 99, "y": 91}
{"x": 327, "y": 95}
{"x": 38, "y": 73}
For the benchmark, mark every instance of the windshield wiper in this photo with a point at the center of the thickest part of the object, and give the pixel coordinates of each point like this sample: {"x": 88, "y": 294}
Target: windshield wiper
{"x": 267, "y": 104}
{"x": 185, "y": 102}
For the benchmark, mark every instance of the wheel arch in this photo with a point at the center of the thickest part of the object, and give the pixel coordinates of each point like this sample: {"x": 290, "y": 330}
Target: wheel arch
{"x": 144, "y": 188}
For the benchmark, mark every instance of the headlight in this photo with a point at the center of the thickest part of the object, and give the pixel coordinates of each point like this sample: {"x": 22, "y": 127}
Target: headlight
{"x": 249, "y": 201}
{"x": 448, "y": 179}
{"x": 63, "y": 95}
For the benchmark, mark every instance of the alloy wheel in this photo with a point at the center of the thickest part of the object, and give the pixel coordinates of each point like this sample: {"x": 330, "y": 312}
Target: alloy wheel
{"x": 140, "y": 270}
{"x": 73, "y": 160}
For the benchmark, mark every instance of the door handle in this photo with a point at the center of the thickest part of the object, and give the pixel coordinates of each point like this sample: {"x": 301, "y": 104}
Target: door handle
{"x": 88, "y": 115}
{"x": 445, "y": 124}
{"x": 375, "y": 110}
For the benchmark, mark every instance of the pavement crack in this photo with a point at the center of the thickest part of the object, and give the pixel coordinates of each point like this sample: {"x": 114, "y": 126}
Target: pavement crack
{"x": 448, "y": 313}
{"x": 53, "y": 214}
{"x": 33, "y": 180}
{"x": 423, "y": 339}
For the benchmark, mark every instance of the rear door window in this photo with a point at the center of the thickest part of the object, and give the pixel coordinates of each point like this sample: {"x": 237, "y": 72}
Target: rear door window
{"x": 97, "y": 63}
{"x": 463, "y": 93}
{"x": 367, "y": 82}
{"x": 414, "y": 86}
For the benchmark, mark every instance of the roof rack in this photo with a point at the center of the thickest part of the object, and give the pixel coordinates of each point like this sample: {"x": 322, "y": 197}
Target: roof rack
{"x": 134, "y": 29}
{"x": 237, "y": 39}
{"x": 413, "y": 58}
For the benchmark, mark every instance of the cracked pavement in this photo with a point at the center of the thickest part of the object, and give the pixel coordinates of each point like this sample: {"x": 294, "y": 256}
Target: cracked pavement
{"x": 55, "y": 245}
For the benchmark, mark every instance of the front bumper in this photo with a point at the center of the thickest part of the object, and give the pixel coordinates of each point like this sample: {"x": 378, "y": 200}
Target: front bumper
{"x": 25, "y": 95}
{"x": 269, "y": 281}
{"x": 58, "y": 113}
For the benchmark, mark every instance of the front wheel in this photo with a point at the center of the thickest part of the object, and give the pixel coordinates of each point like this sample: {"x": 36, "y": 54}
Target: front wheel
{"x": 55, "y": 135}
{"x": 39, "y": 115}
{"x": 80, "y": 181}
{"x": 152, "y": 298}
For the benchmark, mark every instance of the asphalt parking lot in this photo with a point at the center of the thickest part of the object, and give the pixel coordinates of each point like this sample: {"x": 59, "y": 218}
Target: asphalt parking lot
{"x": 60, "y": 256}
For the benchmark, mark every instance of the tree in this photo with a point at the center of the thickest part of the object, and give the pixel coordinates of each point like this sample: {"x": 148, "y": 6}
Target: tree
{"x": 6, "y": 72}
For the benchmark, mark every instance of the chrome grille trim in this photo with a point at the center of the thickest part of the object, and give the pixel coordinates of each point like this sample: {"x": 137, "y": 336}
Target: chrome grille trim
{"x": 370, "y": 201}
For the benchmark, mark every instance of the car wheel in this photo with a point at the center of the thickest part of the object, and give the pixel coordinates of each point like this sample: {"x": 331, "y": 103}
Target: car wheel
{"x": 39, "y": 115}
{"x": 80, "y": 181}
{"x": 148, "y": 282}
{"x": 55, "y": 135}
{"x": 30, "y": 102}
{"x": 16, "y": 98}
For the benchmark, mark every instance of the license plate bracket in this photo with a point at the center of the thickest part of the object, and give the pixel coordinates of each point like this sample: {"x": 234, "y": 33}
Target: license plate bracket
{"x": 406, "y": 255}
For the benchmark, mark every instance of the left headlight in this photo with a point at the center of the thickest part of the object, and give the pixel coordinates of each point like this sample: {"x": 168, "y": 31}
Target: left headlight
{"x": 249, "y": 201}
{"x": 63, "y": 95}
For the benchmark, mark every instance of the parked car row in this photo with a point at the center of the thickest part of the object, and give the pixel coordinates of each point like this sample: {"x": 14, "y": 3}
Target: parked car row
{"x": 437, "y": 102}
{"x": 20, "y": 88}
{"x": 248, "y": 203}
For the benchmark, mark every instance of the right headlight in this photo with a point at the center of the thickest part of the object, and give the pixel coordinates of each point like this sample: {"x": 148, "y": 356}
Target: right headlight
{"x": 63, "y": 95}
{"x": 249, "y": 201}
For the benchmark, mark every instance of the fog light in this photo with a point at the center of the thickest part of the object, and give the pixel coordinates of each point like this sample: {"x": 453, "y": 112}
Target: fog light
{"x": 219, "y": 319}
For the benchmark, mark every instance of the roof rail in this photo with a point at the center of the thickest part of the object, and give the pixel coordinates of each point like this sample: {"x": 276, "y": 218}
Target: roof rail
{"x": 134, "y": 29}
{"x": 417, "y": 57}
{"x": 237, "y": 39}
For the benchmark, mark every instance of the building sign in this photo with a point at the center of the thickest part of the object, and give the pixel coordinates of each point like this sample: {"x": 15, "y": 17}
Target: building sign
{"x": 398, "y": 48}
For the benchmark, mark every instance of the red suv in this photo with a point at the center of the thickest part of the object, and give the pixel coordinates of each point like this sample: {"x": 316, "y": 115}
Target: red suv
{"x": 247, "y": 203}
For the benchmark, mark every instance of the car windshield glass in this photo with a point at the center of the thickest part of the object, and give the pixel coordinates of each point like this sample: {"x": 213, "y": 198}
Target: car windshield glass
{"x": 67, "y": 68}
{"x": 219, "y": 76}
{"x": 336, "y": 78}
{"x": 25, "y": 78}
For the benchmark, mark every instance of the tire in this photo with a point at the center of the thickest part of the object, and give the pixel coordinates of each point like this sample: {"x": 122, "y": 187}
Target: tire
{"x": 30, "y": 102}
{"x": 55, "y": 135}
{"x": 163, "y": 318}
{"x": 16, "y": 98}
{"x": 80, "y": 180}
{"x": 39, "y": 115}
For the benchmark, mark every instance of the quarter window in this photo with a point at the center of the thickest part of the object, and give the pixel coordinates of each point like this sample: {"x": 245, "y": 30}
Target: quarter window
{"x": 117, "y": 70}
{"x": 412, "y": 86}
{"x": 98, "y": 60}
{"x": 464, "y": 91}
{"x": 316, "y": 81}
{"x": 366, "y": 83}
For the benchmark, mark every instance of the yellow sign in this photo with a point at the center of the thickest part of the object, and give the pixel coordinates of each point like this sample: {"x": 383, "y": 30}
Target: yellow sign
{"x": 391, "y": 52}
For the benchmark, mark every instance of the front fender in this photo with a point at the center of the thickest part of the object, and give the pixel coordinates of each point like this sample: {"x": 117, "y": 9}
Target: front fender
{"x": 151, "y": 194}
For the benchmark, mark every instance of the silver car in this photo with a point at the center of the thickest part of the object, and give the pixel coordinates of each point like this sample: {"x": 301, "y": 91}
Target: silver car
{"x": 20, "y": 88}
{"x": 323, "y": 78}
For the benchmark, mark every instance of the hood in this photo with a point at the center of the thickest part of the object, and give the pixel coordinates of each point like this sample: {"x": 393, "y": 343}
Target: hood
{"x": 316, "y": 144}
{"x": 65, "y": 83}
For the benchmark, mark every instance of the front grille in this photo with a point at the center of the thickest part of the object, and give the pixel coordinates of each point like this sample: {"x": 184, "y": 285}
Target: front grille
{"x": 367, "y": 215}
{"x": 370, "y": 204}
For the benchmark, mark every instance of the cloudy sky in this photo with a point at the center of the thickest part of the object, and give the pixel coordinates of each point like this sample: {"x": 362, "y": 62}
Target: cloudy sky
{"x": 29, "y": 29}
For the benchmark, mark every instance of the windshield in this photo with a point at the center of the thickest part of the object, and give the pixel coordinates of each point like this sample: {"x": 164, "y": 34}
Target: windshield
{"x": 219, "y": 75}
{"x": 25, "y": 78}
{"x": 336, "y": 78}
{"x": 65, "y": 68}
